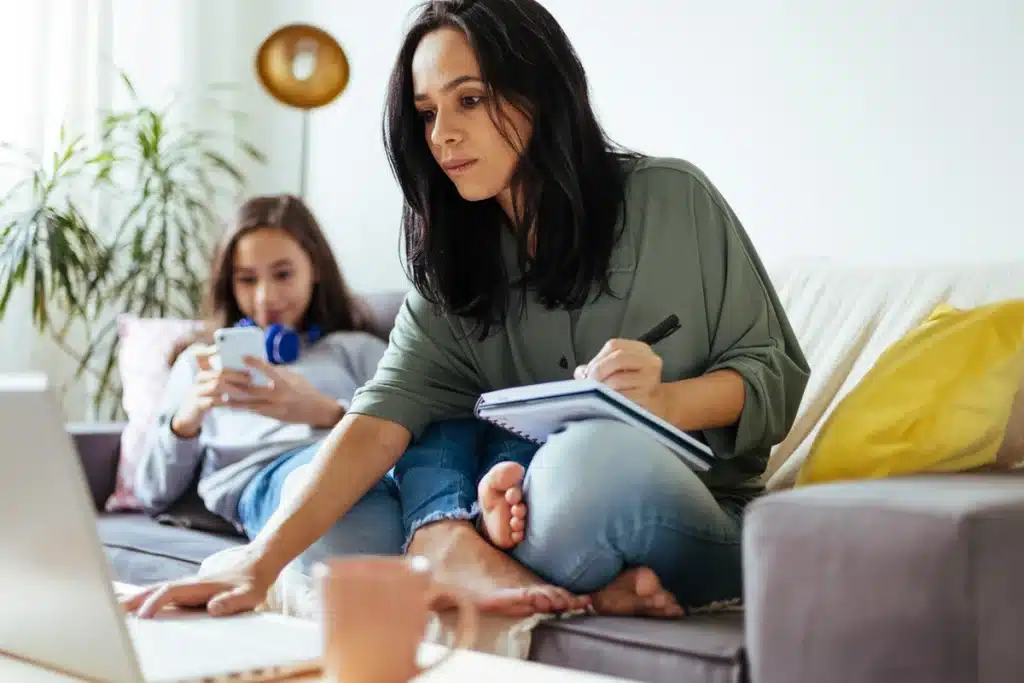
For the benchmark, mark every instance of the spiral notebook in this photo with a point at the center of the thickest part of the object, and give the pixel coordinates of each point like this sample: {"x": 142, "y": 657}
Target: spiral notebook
{"x": 536, "y": 411}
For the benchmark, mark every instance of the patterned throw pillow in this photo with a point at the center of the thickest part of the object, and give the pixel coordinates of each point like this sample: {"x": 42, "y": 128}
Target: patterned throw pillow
{"x": 145, "y": 344}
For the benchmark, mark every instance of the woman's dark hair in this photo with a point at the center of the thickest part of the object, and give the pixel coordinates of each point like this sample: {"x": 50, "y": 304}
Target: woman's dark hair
{"x": 332, "y": 306}
{"x": 569, "y": 184}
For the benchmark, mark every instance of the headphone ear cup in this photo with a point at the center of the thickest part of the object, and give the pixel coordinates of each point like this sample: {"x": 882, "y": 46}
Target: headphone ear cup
{"x": 282, "y": 345}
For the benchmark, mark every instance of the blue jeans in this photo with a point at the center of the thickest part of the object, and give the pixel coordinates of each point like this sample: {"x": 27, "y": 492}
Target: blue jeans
{"x": 438, "y": 474}
{"x": 372, "y": 526}
{"x": 602, "y": 497}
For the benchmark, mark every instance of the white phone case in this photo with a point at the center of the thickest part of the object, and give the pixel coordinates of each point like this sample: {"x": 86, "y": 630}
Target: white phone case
{"x": 235, "y": 343}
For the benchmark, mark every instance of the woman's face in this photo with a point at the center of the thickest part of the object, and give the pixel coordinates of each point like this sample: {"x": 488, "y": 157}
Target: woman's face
{"x": 452, "y": 100}
{"x": 273, "y": 277}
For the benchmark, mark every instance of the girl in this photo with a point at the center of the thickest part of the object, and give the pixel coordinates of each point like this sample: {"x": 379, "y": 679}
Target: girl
{"x": 241, "y": 440}
{"x": 538, "y": 251}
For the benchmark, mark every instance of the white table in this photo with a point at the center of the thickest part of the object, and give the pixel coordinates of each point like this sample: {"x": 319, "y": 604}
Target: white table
{"x": 464, "y": 665}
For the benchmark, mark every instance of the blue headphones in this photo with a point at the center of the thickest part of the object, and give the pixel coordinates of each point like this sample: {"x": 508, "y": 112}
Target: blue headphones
{"x": 283, "y": 343}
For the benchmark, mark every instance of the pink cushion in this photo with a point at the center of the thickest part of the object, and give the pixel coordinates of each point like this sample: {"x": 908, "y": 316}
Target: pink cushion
{"x": 142, "y": 361}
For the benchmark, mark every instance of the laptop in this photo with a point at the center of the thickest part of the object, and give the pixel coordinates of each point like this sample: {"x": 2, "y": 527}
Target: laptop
{"x": 58, "y": 607}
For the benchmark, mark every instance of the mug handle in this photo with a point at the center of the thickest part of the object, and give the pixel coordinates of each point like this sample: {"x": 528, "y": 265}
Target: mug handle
{"x": 465, "y": 630}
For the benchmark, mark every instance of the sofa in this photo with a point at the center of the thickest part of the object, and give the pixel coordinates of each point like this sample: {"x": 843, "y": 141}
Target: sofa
{"x": 909, "y": 579}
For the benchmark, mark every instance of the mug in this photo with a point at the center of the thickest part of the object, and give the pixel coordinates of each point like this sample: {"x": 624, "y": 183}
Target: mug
{"x": 374, "y": 617}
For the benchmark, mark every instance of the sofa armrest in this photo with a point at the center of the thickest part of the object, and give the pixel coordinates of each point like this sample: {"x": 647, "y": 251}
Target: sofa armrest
{"x": 99, "y": 447}
{"x": 909, "y": 578}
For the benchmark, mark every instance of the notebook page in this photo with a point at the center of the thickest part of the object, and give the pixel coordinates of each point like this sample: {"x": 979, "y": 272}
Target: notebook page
{"x": 541, "y": 390}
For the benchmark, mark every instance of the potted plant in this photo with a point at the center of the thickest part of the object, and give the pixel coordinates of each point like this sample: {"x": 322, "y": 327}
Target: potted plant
{"x": 123, "y": 222}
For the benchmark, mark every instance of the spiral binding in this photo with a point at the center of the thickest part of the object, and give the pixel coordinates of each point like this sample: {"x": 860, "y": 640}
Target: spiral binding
{"x": 508, "y": 428}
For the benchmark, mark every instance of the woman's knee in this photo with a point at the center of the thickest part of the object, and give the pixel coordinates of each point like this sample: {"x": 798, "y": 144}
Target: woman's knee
{"x": 603, "y": 496}
{"x": 598, "y": 476}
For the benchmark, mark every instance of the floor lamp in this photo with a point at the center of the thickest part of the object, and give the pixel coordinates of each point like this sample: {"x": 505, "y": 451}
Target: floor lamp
{"x": 302, "y": 66}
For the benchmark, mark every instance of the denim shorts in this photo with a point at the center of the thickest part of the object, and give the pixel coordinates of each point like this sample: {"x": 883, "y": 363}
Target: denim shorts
{"x": 438, "y": 474}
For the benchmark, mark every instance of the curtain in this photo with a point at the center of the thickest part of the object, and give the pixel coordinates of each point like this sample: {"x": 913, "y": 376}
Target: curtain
{"x": 59, "y": 63}
{"x": 49, "y": 56}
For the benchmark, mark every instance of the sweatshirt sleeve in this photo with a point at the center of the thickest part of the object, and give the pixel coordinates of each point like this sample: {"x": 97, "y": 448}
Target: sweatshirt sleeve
{"x": 359, "y": 353}
{"x": 169, "y": 463}
{"x": 369, "y": 355}
{"x": 748, "y": 329}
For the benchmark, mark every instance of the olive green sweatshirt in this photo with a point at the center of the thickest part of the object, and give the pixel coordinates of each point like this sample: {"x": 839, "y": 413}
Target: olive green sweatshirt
{"x": 682, "y": 250}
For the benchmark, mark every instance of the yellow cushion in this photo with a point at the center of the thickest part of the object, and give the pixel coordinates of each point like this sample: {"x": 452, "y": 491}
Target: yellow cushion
{"x": 938, "y": 400}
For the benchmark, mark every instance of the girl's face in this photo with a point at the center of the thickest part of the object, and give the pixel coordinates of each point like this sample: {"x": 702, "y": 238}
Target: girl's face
{"x": 272, "y": 277}
{"x": 457, "y": 119}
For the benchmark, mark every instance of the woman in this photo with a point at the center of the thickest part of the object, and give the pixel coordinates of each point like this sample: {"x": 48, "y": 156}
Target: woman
{"x": 536, "y": 247}
{"x": 241, "y": 440}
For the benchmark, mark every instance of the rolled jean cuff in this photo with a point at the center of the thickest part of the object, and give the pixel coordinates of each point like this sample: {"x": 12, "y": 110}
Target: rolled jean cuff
{"x": 459, "y": 514}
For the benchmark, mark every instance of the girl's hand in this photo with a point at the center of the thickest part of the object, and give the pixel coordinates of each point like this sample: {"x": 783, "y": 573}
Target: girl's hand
{"x": 210, "y": 388}
{"x": 630, "y": 367}
{"x": 290, "y": 397}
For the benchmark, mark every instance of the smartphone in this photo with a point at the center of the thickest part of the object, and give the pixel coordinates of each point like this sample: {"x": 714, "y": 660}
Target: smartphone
{"x": 235, "y": 343}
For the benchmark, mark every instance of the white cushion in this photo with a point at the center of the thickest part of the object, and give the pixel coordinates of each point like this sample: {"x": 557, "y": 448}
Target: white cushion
{"x": 845, "y": 316}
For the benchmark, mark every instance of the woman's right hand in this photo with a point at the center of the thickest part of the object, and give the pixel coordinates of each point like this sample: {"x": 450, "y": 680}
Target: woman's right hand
{"x": 230, "y": 591}
{"x": 210, "y": 388}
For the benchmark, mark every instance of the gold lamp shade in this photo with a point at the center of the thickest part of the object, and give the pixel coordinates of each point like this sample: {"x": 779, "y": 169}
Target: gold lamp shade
{"x": 302, "y": 66}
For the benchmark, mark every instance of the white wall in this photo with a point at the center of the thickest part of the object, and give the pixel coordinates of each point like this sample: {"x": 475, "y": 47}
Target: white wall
{"x": 350, "y": 186}
{"x": 870, "y": 130}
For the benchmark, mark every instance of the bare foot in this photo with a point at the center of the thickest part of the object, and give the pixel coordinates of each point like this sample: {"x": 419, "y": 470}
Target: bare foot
{"x": 501, "y": 503}
{"x": 637, "y": 592}
{"x": 494, "y": 581}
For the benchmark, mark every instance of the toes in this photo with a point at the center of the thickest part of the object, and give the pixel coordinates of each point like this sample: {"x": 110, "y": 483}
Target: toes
{"x": 517, "y": 537}
{"x": 658, "y": 601}
{"x": 489, "y": 496}
{"x": 550, "y": 598}
{"x": 514, "y": 496}
{"x": 543, "y": 602}
{"x": 504, "y": 476}
{"x": 675, "y": 611}
{"x": 519, "y": 511}
{"x": 577, "y": 602}
{"x": 513, "y": 602}
{"x": 645, "y": 582}
{"x": 517, "y": 523}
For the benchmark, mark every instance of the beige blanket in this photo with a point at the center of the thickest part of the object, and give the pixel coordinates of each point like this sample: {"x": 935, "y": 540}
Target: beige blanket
{"x": 295, "y": 594}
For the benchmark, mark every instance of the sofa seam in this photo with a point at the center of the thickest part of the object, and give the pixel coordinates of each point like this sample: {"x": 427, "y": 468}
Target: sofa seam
{"x": 667, "y": 649}
{"x": 144, "y": 551}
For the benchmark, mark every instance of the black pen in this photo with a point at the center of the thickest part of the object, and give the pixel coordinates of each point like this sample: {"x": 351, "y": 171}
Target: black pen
{"x": 660, "y": 331}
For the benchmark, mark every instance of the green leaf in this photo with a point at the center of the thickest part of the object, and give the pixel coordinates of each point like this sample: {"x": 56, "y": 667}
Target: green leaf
{"x": 128, "y": 84}
{"x": 253, "y": 153}
{"x": 161, "y": 182}
{"x": 224, "y": 165}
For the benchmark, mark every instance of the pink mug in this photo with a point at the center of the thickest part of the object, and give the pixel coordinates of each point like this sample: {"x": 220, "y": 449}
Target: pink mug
{"x": 374, "y": 616}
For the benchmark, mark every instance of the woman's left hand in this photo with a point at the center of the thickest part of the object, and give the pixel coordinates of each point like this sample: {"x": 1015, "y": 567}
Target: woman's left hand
{"x": 630, "y": 367}
{"x": 290, "y": 397}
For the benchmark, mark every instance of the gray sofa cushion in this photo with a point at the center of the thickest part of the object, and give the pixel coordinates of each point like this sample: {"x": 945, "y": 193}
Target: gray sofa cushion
{"x": 700, "y": 649}
{"x": 143, "y": 551}
{"x": 909, "y": 579}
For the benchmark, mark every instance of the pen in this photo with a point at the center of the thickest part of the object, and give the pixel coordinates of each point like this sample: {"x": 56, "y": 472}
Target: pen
{"x": 660, "y": 331}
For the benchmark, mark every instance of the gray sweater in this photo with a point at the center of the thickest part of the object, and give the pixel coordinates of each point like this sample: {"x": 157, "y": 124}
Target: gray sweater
{"x": 233, "y": 443}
